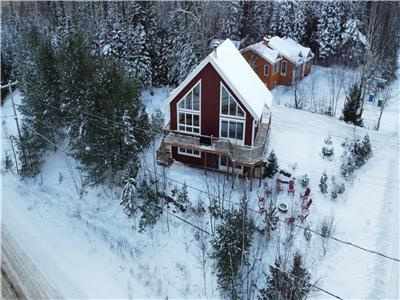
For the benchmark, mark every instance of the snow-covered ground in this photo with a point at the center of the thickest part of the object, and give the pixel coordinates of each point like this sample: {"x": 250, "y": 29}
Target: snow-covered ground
{"x": 88, "y": 248}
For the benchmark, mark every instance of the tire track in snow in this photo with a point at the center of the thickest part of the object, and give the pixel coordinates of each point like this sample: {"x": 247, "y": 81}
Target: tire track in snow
{"x": 387, "y": 272}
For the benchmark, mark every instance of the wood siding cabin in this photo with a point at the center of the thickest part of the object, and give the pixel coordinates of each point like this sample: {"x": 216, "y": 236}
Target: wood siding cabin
{"x": 279, "y": 61}
{"x": 219, "y": 115}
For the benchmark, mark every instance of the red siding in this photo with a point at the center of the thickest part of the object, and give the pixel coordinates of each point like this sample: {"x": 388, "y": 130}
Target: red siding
{"x": 210, "y": 109}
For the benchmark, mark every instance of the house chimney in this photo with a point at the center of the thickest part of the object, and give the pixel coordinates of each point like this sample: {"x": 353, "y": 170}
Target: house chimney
{"x": 266, "y": 41}
{"x": 214, "y": 47}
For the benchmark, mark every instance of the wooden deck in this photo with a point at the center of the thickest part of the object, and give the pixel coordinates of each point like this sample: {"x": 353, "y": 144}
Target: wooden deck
{"x": 249, "y": 156}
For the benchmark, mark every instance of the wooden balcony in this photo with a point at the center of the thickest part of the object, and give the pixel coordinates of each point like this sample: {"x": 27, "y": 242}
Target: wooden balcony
{"x": 248, "y": 156}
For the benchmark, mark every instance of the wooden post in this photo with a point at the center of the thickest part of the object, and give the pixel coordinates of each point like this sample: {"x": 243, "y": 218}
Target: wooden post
{"x": 260, "y": 174}
{"x": 205, "y": 162}
{"x": 15, "y": 156}
{"x": 233, "y": 174}
{"x": 16, "y": 120}
{"x": 251, "y": 177}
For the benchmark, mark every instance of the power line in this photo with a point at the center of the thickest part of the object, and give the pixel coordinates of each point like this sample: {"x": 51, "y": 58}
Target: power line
{"x": 229, "y": 201}
{"x": 195, "y": 226}
{"x": 284, "y": 221}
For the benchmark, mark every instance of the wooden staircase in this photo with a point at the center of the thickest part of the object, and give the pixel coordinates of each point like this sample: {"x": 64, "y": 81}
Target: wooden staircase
{"x": 164, "y": 155}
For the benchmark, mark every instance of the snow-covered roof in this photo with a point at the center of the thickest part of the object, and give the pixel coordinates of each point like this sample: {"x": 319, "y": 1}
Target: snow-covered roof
{"x": 265, "y": 52}
{"x": 220, "y": 41}
{"x": 291, "y": 49}
{"x": 238, "y": 75}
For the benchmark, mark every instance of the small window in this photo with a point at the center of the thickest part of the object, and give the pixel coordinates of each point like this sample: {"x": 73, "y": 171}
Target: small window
{"x": 283, "y": 68}
{"x": 266, "y": 70}
{"x": 189, "y": 152}
{"x": 275, "y": 68}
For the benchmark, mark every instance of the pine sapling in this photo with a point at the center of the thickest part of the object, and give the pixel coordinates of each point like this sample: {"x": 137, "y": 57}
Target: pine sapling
{"x": 323, "y": 183}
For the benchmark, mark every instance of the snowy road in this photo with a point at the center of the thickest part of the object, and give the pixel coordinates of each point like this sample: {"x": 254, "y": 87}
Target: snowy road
{"x": 20, "y": 277}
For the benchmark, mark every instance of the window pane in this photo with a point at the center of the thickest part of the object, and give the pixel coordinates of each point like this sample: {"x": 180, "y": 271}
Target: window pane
{"x": 189, "y": 151}
{"x": 188, "y": 101}
{"x": 181, "y": 104}
{"x": 232, "y": 130}
{"x": 196, "y": 95}
{"x": 232, "y": 107}
{"x": 188, "y": 119}
{"x": 240, "y": 112}
{"x": 181, "y": 118}
{"x": 266, "y": 70}
{"x": 196, "y": 152}
{"x": 225, "y": 100}
{"x": 224, "y": 129}
{"x": 195, "y": 130}
{"x": 195, "y": 120}
{"x": 284, "y": 67}
{"x": 223, "y": 161}
{"x": 239, "y": 131}
{"x": 182, "y": 128}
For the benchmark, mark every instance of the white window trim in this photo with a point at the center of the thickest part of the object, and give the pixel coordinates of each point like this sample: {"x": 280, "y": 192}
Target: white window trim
{"x": 220, "y": 105}
{"x": 277, "y": 68}
{"x": 266, "y": 66}
{"x": 235, "y": 141}
{"x": 282, "y": 73}
{"x": 238, "y": 168}
{"x": 190, "y": 111}
{"x": 189, "y": 154}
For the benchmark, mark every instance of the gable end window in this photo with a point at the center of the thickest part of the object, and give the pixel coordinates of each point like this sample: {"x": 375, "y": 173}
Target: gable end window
{"x": 275, "y": 68}
{"x": 229, "y": 106}
{"x": 266, "y": 70}
{"x": 283, "y": 68}
{"x": 189, "y": 111}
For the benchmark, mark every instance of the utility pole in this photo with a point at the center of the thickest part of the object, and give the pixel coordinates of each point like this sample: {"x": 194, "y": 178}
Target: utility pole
{"x": 9, "y": 85}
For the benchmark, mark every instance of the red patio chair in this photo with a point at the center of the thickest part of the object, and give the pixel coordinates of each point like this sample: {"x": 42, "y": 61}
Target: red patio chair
{"x": 290, "y": 220}
{"x": 267, "y": 190}
{"x": 306, "y": 194}
{"x": 307, "y": 205}
{"x": 303, "y": 216}
{"x": 291, "y": 188}
{"x": 278, "y": 186}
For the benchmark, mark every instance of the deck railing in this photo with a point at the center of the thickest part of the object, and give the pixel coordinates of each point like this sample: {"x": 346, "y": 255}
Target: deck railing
{"x": 238, "y": 154}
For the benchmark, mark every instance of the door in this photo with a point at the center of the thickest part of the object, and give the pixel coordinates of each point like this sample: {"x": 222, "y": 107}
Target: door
{"x": 233, "y": 130}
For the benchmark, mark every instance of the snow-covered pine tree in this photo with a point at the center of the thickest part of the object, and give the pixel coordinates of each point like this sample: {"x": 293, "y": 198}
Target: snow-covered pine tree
{"x": 327, "y": 149}
{"x": 272, "y": 165}
{"x": 129, "y": 197}
{"x": 278, "y": 283}
{"x": 157, "y": 122}
{"x": 231, "y": 22}
{"x": 300, "y": 21}
{"x": 329, "y": 27}
{"x": 282, "y": 25}
{"x": 301, "y": 279}
{"x": 352, "y": 111}
{"x": 230, "y": 251}
{"x": 150, "y": 208}
{"x": 39, "y": 82}
{"x": 323, "y": 186}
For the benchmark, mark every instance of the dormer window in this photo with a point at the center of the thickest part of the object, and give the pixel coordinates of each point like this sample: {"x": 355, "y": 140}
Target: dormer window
{"x": 229, "y": 107}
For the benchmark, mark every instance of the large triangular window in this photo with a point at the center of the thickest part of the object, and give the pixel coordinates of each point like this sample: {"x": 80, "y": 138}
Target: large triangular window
{"x": 191, "y": 101}
{"x": 229, "y": 107}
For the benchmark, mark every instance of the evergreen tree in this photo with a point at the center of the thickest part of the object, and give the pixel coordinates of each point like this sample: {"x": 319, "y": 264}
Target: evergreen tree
{"x": 272, "y": 165}
{"x": 292, "y": 286}
{"x": 329, "y": 28}
{"x": 230, "y": 245}
{"x": 327, "y": 149}
{"x": 39, "y": 83}
{"x": 129, "y": 197}
{"x": 150, "y": 208}
{"x": 157, "y": 122}
{"x": 352, "y": 111}
{"x": 323, "y": 183}
{"x": 183, "y": 197}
